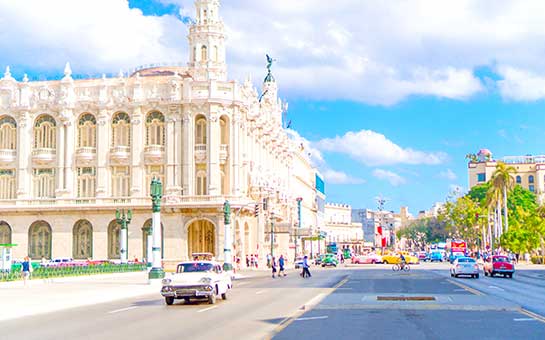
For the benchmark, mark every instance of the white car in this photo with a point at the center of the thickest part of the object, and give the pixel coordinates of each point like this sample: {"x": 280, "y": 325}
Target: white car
{"x": 196, "y": 280}
{"x": 464, "y": 266}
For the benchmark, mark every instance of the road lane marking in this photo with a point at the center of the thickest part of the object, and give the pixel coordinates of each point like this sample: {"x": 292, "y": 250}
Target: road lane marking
{"x": 206, "y": 309}
{"x": 260, "y": 292}
{"x": 469, "y": 289}
{"x": 314, "y": 318}
{"x": 241, "y": 283}
{"x": 460, "y": 290}
{"x": 532, "y": 315}
{"x": 342, "y": 282}
{"x": 498, "y": 288}
{"x": 122, "y": 310}
{"x": 524, "y": 319}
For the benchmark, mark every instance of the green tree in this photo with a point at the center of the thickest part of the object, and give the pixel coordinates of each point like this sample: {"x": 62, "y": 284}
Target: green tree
{"x": 502, "y": 181}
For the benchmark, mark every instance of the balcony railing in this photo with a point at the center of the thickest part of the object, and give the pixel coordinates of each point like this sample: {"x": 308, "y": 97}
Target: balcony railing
{"x": 86, "y": 153}
{"x": 44, "y": 155}
{"x": 154, "y": 153}
{"x": 120, "y": 153}
{"x": 224, "y": 152}
{"x": 7, "y": 155}
{"x": 200, "y": 152}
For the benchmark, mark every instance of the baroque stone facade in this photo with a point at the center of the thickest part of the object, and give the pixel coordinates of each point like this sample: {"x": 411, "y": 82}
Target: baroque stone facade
{"x": 74, "y": 151}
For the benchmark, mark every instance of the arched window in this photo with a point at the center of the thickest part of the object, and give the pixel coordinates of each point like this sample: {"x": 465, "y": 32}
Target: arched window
{"x": 39, "y": 244}
{"x": 113, "y": 240}
{"x": 519, "y": 180}
{"x": 201, "y": 183}
{"x": 7, "y": 184}
{"x": 82, "y": 244}
{"x": 204, "y": 54}
{"x": 86, "y": 182}
{"x": 224, "y": 128}
{"x": 531, "y": 179}
{"x": 216, "y": 54}
{"x": 87, "y": 131}
{"x": 200, "y": 131}
{"x": 195, "y": 53}
{"x": 8, "y": 133}
{"x": 121, "y": 130}
{"x": 43, "y": 182}
{"x": 155, "y": 129}
{"x": 5, "y": 233}
{"x": 45, "y": 133}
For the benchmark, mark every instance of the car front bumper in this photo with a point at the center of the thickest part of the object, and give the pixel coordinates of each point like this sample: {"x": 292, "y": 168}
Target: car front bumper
{"x": 201, "y": 291}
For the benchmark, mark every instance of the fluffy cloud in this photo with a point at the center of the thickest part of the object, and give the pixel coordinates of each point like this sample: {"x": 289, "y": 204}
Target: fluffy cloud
{"x": 372, "y": 148}
{"x": 448, "y": 174}
{"x": 389, "y": 176}
{"x": 377, "y": 52}
{"x": 339, "y": 177}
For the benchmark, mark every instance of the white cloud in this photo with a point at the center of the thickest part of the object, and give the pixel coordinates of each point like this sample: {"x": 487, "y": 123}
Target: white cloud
{"x": 448, "y": 174}
{"x": 372, "y": 148}
{"x": 522, "y": 85}
{"x": 389, "y": 176}
{"x": 339, "y": 177}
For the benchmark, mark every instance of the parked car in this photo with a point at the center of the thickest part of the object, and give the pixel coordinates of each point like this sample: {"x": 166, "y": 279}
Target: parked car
{"x": 423, "y": 256}
{"x": 499, "y": 264}
{"x": 436, "y": 256}
{"x": 464, "y": 266}
{"x": 367, "y": 259}
{"x": 196, "y": 280}
{"x": 330, "y": 260}
{"x": 318, "y": 260}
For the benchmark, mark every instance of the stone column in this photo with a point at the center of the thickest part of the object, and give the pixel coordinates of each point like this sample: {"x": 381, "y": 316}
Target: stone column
{"x": 188, "y": 157}
{"x": 70, "y": 139}
{"x": 178, "y": 155}
{"x": 214, "y": 136}
{"x": 170, "y": 152}
{"x": 24, "y": 147}
{"x": 103, "y": 149}
{"x": 235, "y": 154}
{"x": 137, "y": 148}
{"x": 59, "y": 176}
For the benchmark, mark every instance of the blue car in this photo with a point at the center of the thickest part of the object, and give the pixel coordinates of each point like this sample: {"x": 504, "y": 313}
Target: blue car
{"x": 436, "y": 256}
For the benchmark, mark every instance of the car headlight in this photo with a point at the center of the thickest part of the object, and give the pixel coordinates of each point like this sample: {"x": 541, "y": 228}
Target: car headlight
{"x": 205, "y": 280}
{"x": 167, "y": 281}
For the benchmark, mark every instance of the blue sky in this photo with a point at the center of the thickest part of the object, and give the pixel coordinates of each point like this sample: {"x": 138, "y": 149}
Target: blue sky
{"x": 388, "y": 97}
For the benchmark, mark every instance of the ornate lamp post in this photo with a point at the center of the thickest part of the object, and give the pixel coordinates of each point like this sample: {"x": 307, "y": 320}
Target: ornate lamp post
{"x": 149, "y": 244}
{"x": 156, "y": 271}
{"x": 228, "y": 234}
{"x": 299, "y": 200}
{"x": 123, "y": 220}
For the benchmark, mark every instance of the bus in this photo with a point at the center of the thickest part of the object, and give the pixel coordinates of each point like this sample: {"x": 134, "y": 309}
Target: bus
{"x": 332, "y": 248}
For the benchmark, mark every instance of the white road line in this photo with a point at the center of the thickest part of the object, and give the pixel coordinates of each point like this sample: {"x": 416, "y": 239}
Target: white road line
{"x": 241, "y": 283}
{"x": 314, "y": 300}
{"x": 524, "y": 319}
{"x": 206, "y": 309}
{"x": 498, "y": 288}
{"x": 122, "y": 310}
{"x": 460, "y": 290}
{"x": 312, "y": 318}
{"x": 260, "y": 292}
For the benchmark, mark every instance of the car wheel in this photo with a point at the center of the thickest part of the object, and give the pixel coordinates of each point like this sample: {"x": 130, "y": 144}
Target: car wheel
{"x": 212, "y": 299}
{"x": 169, "y": 300}
{"x": 186, "y": 300}
{"x": 511, "y": 275}
{"x": 456, "y": 275}
{"x": 476, "y": 276}
{"x": 224, "y": 296}
{"x": 485, "y": 273}
{"x": 491, "y": 274}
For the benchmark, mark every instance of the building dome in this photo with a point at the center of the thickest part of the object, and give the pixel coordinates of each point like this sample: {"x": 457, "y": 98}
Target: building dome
{"x": 484, "y": 155}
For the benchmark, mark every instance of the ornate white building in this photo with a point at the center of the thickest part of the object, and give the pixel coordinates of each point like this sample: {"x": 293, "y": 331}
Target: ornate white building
{"x": 74, "y": 151}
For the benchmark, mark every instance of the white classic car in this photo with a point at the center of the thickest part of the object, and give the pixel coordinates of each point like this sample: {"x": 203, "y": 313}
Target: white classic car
{"x": 196, "y": 280}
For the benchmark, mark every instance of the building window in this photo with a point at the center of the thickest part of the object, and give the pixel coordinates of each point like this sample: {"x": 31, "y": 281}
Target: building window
{"x": 86, "y": 182}
{"x": 154, "y": 171}
{"x": 531, "y": 188}
{"x": 519, "y": 180}
{"x": 39, "y": 236}
{"x": 45, "y": 134}
{"x": 87, "y": 131}
{"x": 204, "y": 54}
{"x": 200, "y": 131}
{"x": 120, "y": 181}
{"x": 155, "y": 129}
{"x": 113, "y": 240}
{"x": 531, "y": 179}
{"x": 82, "y": 240}
{"x": 481, "y": 177}
{"x": 44, "y": 183}
{"x": 202, "y": 188}
{"x": 8, "y": 133}
{"x": 5, "y": 233}
{"x": 121, "y": 130}
{"x": 7, "y": 184}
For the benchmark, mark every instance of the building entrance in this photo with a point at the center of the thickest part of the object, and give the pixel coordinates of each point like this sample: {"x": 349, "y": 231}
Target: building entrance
{"x": 201, "y": 238}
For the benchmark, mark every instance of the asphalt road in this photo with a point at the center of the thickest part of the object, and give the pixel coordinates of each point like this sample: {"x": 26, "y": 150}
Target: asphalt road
{"x": 363, "y": 302}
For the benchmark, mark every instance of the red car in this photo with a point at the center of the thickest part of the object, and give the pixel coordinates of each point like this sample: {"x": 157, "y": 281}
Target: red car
{"x": 499, "y": 264}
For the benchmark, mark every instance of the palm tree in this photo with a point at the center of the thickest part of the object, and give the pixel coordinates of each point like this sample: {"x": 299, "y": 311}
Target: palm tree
{"x": 493, "y": 203}
{"x": 504, "y": 182}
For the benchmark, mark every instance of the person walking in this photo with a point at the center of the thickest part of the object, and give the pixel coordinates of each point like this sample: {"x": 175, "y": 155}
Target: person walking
{"x": 306, "y": 272}
{"x": 247, "y": 261}
{"x": 273, "y": 266}
{"x": 26, "y": 269}
{"x": 281, "y": 264}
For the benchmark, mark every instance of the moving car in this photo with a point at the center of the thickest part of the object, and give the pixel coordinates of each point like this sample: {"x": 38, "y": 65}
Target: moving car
{"x": 330, "y": 260}
{"x": 196, "y": 280}
{"x": 499, "y": 264}
{"x": 436, "y": 256}
{"x": 464, "y": 266}
{"x": 394, "y": 259}
{"x": 367, "y": 259}
{"x": 455, "y": 255}
{"x": 318, "y": 260}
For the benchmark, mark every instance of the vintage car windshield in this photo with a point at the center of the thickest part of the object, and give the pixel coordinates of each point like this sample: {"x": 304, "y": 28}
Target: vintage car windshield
{"x": 500, "y": 259}
{"x": 465, "y": 259}
{"x": 194, "y": 267}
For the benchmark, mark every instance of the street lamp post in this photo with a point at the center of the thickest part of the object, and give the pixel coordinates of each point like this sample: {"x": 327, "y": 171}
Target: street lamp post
{"x": 228, "y": 235}
{"x": 123, "y": 220}
{"x": 156, "y": 272}
{"x": 149, "y": 245}
{"x": 299, "y": 200}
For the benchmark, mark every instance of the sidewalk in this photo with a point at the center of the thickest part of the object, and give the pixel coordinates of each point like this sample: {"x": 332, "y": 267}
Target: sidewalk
{"x": 44, "y": 296}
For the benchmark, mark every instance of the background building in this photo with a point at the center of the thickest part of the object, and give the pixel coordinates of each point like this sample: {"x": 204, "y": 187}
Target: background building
{"x": 74, "y": 151}
{"x": 340, "y": 228}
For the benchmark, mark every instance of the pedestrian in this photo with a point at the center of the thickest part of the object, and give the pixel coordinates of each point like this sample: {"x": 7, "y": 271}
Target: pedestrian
{"x": 281, "y": 263}
{"x": 256, "y": 261}
{"x": 273, "y": 266}
{"x": 247, "y": 261}
{"x": 26, "y": 269}
{"x": 269, "y": 260}
{"x": 306, "y": 272}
